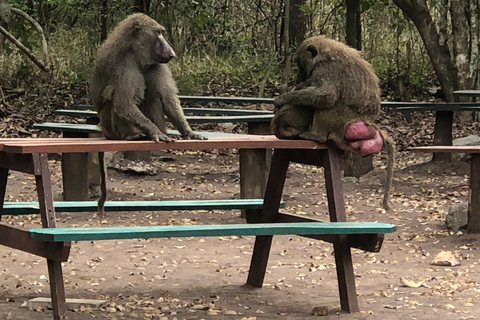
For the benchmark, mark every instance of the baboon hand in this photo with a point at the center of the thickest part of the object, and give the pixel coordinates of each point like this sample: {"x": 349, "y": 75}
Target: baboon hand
{"x": 279, "y": 102}
{"x": 194, "y": 136}
{"x": 161, "y": 137}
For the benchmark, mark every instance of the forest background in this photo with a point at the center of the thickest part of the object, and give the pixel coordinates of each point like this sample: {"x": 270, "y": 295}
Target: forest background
{"x": 418, "y": 48}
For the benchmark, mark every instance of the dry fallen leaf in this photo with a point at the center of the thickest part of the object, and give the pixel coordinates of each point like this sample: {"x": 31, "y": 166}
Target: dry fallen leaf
{"x": 446, "y": 258}
{"x": 411, "y": 283}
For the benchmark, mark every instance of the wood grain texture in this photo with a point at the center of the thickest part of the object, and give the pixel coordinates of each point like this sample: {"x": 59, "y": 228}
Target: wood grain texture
{"x": 257, "y": 229}
{"x": 61, "y": 145}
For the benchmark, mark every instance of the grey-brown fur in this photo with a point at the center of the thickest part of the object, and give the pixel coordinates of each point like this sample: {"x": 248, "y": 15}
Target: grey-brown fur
{"x": 336, "y": 87}
{"x": 132, "y": 87}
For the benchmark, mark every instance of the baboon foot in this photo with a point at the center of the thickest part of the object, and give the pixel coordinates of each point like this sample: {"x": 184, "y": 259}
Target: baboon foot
{"x": 194, "y": 136}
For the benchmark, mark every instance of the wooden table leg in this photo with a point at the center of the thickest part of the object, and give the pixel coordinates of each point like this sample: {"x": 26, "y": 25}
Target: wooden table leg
{"x": 271, "y": 204}
{"x": 254, "y": 168}
{"x": 443, "y": 133}
{"x": 343, "y": 256}
{"x": 253, "y": 177}
{"x": 474, "y": 212}
{"x": 3, "y": 188}
{"x": 75, "y": 172}
{"x": 47, "y": 212}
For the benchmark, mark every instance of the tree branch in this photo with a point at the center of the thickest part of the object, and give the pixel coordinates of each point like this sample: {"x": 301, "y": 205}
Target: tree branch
{"x": 23, "y": 49}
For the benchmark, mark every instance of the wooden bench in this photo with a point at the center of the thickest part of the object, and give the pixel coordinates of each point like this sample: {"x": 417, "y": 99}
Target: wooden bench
{"x": 31, "y": 156}
{"x": 474, "y": 208}
{"x": 443, "y": 118}
{"x": 33, "y": 207}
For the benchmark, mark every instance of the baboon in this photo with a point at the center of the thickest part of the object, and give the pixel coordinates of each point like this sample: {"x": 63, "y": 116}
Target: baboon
{"x": 132, "y": 87}
{"x": 336, "y": 100}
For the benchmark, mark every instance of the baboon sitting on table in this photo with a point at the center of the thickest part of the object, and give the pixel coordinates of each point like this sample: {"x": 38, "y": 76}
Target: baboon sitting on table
{"x": 336, "y": 100}
{"x": 132, "y": 87}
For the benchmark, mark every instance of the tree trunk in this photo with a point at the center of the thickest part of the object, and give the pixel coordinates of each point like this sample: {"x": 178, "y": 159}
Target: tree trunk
{"x": 103, "y": 20}
{"x": 437, "y": 47}
{"x": 297, "y": 26}
{"x": 439, "y": 53}
{"x": 5, "y": 17}
{"x": 353, "y": 27}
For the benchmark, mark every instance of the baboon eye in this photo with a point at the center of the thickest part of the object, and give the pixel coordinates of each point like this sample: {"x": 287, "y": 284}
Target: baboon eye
{"x": 312, "y": 50}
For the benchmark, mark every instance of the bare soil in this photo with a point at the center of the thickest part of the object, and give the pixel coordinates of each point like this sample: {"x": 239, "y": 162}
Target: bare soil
{"x": 202, "y": 278}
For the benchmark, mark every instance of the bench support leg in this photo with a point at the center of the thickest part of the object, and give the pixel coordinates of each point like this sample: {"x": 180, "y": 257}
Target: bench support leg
{"x": 47, "y": 212}
{"x": 75, "y": 172}
{"x": 271, "y": 204}
{"x": 474, "y": 210}
{"x": 443, "y": 134}
{"x": 254, "y": 167}
{"x": 343, "y": 256}
{"x": 3, "y": 187}
{"x": 75, "y": 176}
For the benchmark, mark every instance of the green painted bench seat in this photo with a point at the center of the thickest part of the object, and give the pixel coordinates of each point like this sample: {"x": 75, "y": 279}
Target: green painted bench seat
{"x": 88, "y": 113}
{"x": 92, "y": 128}
{"x": 257, "y": 229}
{"x": 20, "y": 208}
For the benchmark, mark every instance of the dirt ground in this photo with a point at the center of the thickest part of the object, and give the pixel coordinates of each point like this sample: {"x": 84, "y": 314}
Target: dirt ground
{"x": 202, "y": 278}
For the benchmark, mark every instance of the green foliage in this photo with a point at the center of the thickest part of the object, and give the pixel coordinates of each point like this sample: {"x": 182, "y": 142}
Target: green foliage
{"x": 239, "y": 74}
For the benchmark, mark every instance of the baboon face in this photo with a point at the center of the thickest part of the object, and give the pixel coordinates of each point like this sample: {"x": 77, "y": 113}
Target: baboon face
{"x": 149, "y": 34}
{"x": 306, "y": 57}
{"x": 161, "y": 50}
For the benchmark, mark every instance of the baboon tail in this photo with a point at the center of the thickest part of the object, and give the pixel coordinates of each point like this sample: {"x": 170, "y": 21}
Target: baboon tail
{"x": 390, "y": 148}
{"x": 103, "y": 183}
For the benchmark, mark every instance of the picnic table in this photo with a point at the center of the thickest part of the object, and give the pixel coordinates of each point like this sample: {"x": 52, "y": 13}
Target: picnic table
{"x": 53, "y": 243}
{"x": 474, "y": 208}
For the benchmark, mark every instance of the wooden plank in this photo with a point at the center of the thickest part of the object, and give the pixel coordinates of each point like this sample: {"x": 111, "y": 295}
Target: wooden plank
{"x": 443, "y": 106}
{"x": 250, "y": 100}
{"x": 452, "y": 149}
{"x": 75, "y": 176}
{"x": 92, "y": 129}
{"x": 366, "y": 242}
{"x": 262, "y": 117}
{"x": 257, "y": 229}
{"x": 269, "y": 213}
{"x": 443, "y": 133}
{"x": 3, "y": 188}
{"x": 253, "y": 178}
{"x": 467, "y": 93}
{"x": 47, "y": 213}
{"x": 20, "y": 208}
{"x": 17, "y": 162}
{"x": 336, "y": 208}
{"x": 474, "y": 212}
{"x": 69, "y": 127}
{"x": 88, "y": 113}
{"x": 21, "y": 240}
{"x": 57, "y": 145}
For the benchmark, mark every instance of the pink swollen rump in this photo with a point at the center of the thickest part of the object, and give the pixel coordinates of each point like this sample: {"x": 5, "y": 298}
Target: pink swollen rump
{"x": 360, "y": 131}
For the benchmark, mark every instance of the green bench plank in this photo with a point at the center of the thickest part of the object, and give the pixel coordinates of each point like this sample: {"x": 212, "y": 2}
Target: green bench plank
{"x": 20, "y": 208}
{"x": 206, "y": 99}
{"x": 258, "y": 229}
{"x": 261, "y": 117}
{"x": 70, "y": 127}
{"x": 92, "y": 128}
{"x": 87, "y": 113}
{"x": 436, "y": 106}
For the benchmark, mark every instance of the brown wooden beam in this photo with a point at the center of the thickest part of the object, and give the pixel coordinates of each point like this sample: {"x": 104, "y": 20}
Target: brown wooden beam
{"x": 17, "y": 162}
{"x": 366, "y": 242}
{"x": 20, "y": 239}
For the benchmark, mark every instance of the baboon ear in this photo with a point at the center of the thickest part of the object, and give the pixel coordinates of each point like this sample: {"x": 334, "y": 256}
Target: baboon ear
{"x": 311, "y": 48}
{"x": 136, "y": 29}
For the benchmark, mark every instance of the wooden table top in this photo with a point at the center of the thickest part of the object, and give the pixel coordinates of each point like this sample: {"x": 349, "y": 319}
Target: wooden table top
{"x": 72, "y": 145}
